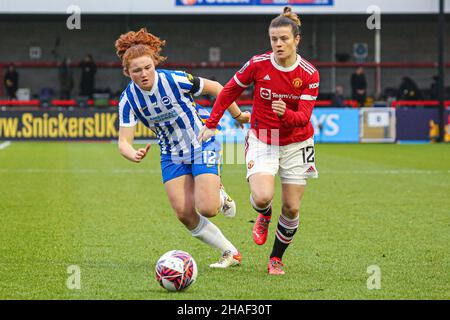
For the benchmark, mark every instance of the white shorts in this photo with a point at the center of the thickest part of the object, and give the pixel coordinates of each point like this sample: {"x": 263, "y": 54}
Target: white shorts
{"x": 293, "y": 162}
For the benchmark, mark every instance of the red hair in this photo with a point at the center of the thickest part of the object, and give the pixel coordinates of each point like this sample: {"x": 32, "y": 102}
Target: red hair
{"x": 133, "y": 45}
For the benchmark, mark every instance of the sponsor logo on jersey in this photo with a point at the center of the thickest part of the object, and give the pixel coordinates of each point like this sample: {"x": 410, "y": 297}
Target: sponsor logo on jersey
{"x": 164, "y": 116}
{"x": 297, "y": 83}
{"x": 314, "y": 85}
{"x": 285, "y": 96}
{"x": 244, "y": 67}
{"x": 166, "y": 101}
{"x": 267, "y": 77}
{"x": 265, "y": 93}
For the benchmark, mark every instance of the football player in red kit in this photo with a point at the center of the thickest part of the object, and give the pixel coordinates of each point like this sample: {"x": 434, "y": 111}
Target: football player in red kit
{"x": 281, "y": 136}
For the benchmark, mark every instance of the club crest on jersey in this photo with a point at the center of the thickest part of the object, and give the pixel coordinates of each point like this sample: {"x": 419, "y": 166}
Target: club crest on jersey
{"x": 266, "y": 93}
{"x": 250, "y": 164}
{"x": 297, "y": 83}
{"x": 166, "y": 101}
{"x": 244, "y": 67}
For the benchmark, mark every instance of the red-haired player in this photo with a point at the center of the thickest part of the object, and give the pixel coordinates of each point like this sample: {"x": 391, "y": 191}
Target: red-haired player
{"x": 163, "y": 100}
{"x": 281, "y": 136}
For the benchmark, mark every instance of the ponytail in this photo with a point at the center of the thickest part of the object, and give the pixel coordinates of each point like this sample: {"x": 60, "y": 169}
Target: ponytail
{"x": 287, "y": 18}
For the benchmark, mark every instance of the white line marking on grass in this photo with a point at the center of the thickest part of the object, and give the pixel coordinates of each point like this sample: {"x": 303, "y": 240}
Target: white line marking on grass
{"x": 76, "y": 171}
{"x": 389, "y": 172}
{"x": 5, "y": 145}
{"x": 153, "y": 171}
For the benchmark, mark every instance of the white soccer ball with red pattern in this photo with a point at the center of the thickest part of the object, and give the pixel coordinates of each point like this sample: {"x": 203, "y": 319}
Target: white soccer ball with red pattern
{"x": 176, "y": 270}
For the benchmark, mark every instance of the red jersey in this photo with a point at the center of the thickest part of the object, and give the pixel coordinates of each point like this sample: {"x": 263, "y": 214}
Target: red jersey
{"x": 297, "y": 86}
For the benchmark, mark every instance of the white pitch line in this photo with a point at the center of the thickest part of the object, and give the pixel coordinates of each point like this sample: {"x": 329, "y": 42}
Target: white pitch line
{"x": 76, "y": 171}
{"x": 5, "y": 145}
{"x": 389, "y": 172}
{"x": 154, "y": 170}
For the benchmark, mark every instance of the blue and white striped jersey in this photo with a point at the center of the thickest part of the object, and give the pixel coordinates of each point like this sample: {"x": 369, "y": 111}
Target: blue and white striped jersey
{"x": 169, "y": 110}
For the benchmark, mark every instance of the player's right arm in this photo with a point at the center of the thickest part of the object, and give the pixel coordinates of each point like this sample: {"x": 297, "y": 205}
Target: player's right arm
{"x": 126, "y": 139}
{"x": 214, "y": 88}
{"x": 127, "y": 123}
{"x": 232, "y": 90}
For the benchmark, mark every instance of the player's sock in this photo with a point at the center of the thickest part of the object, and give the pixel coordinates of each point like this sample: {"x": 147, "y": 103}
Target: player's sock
{"x": 283, "y": 237}
{"x": 266, "y": 212}
{"x": 207, "y": 232}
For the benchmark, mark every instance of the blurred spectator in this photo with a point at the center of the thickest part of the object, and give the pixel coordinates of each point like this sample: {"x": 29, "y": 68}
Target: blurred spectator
{"x": 11, "y": 81}
{"x": 359, "y": 86}
{"x": 338, "y": 99}
{"x": 66, "y": 79}
{"x": 434, "y": 131}
{"x": 409, "y": 90}
{"x": 447, "y": 133}
{"x": 88, "y": 71}
{"x": 434, "y": 91}
{"x": 390, "y": 93}
{"x": 46, "y": 94}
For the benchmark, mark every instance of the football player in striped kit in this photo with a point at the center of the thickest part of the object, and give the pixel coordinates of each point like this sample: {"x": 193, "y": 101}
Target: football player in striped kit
{"x": 281, "y": 136}
{"x": 163, "y": 101}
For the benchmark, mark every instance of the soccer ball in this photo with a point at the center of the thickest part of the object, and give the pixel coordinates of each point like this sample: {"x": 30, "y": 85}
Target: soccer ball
{"x": 176, "y": 270}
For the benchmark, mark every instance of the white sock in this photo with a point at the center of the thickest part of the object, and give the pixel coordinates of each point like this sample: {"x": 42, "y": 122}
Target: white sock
{"x": 207, "y": 232}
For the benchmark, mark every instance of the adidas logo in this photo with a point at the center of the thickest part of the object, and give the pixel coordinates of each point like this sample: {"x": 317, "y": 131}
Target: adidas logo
{"x": 267, "y": 77}
{"x": 311, "y": 170}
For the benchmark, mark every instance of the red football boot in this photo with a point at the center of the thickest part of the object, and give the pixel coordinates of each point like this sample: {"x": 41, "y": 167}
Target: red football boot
{"x": 261, "y": 229}
{"x": 275, "y": 266}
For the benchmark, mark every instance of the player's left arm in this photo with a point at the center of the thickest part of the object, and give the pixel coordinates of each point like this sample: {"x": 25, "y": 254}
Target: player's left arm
{"x": 302, "y": 116}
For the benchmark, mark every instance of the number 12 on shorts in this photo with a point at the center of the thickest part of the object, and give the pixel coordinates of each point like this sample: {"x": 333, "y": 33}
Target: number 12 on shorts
{"x": 209, "y": 157}
{"x": 308, "y": 154}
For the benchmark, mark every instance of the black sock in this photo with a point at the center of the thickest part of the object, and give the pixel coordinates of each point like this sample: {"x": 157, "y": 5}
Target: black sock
{"x": 265, "y": 212}
{"x": 283, "y": 237}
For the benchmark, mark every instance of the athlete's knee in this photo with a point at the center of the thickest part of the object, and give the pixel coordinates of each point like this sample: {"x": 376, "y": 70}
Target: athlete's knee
{"x": 208, "y": 209}
{"x": 207, "y": 204}
{"x": 291, "y": 211}
{"x": 261, "y": 199}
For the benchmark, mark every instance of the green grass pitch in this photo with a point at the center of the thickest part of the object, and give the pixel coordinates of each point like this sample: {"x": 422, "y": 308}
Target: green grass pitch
{"x": 64, "y": 204}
